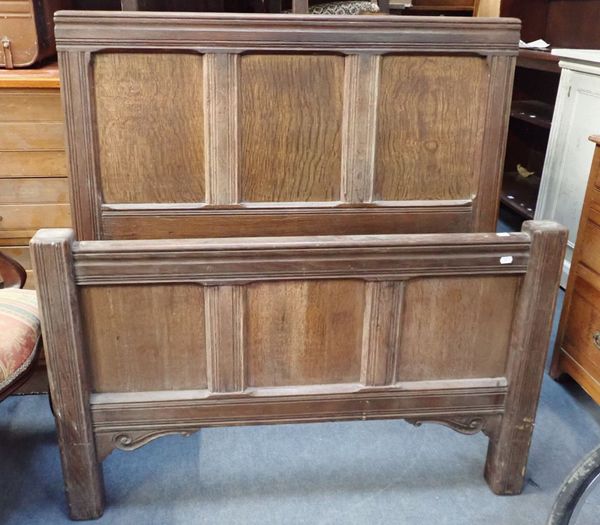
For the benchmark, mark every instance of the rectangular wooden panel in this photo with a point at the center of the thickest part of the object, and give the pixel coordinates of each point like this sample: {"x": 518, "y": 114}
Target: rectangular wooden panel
{"x": 34, "y": 191}
{"x": 456, "y": 327}
{"x": 302, "y": 333}
{"x": 150, "y": 126}
{"x": 430, "y": 127}
{"x": 33, "y": 164}
{"x": 291, "y": 120}
{"x": 143, "y": 338}
{"x": 32, "y": 105}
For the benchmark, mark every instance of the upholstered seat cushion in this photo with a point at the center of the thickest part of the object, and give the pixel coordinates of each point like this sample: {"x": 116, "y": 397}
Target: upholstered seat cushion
{"x": 19, "y": 333}
{"x": 351, "y": 7}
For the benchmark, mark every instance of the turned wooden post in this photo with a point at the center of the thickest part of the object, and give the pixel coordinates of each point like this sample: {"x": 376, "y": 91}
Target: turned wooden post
{"x": 63, "y": 345}
{"x": 509, "y": 442}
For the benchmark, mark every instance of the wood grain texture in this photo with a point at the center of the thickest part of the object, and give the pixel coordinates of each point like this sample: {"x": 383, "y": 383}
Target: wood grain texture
{"x": 489, "y": 160}
{"x": 429, "y": 127}
{"x": 16, "y": 164}
{"x": 290, "y": 128}
{"x": 82, "y": 139}
{"x": 26, "y": 136}
{"x": 149, "y": 115}
{"x": 302, "y": 333}
{"x": 225, "y": 314}
{"x": 67, "y": 371}
{"x": 530, "y": 336}
{"x": 33, "y": 105}
{"x": 430, "y": 345}
{"x": 182, "y": 224}
{"x": 381, "y": 332}
{"x": 221, "y": 79}
{"x": 361, "y": 90}
{"x": 34, "y": 191}
{"x": 28, "y": 217}
{"x": 145, "y": 337}
{"x": 590, "y": 248}
{"x": 582, "y": 325}
{"x": 243, "y": 260}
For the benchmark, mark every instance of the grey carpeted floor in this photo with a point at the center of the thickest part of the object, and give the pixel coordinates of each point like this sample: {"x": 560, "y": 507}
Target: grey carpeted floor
{"x": 381, "y": 472}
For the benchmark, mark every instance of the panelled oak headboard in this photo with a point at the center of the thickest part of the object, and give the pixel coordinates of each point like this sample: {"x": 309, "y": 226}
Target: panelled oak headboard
{"x": 216, "y": 125}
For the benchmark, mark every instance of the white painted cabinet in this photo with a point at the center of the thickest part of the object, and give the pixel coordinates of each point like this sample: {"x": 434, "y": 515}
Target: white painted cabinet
{"x": 569, "y": 154}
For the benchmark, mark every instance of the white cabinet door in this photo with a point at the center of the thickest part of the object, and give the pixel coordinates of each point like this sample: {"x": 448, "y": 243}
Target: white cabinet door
{"x": 569, "y": 155}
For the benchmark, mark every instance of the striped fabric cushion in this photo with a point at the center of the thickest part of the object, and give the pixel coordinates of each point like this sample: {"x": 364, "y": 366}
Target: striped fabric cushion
{"x": 19, "y": 333}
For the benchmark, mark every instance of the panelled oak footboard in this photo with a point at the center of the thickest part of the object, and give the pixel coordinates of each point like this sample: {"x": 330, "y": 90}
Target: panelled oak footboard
{"x": 147, "y": 338}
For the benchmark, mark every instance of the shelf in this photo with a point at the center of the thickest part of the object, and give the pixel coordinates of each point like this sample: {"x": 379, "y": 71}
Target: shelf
{"x": 40, "y": 77}
{"x": 533, "y": 111}
{"x": 539, "y": 60}
{"x": 520, "y": 194}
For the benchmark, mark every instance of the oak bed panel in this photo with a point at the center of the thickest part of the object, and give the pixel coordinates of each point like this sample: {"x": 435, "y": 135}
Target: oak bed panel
{"x": 304, "y": 332}
{"x": 145, "y": 338}
{"x": 150, "y": 126}
{"x": 290, "y": 129}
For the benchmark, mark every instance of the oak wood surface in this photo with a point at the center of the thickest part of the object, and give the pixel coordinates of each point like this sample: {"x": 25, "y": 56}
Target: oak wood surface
{"x": 479, "y": 349}
{"x": 17, "y": 164}
{"x": 145, "y": 338}
{"x": 34, "y": 190}
{"x": 165, "y": 163}
{"x": 315, "y": 336}
{"x": 425, "y": 104}
{"x": 290, "y": 134}
{"x": 25, "y": 136}
{"x": 68, "y": 375}
{"x": 39, "y": 105}
{"x": 298, "y": 116}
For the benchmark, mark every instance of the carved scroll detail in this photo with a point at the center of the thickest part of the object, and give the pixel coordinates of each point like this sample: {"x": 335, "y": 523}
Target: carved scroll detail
{"x": 469, "y": 424}
{"x": 132, "y": 440}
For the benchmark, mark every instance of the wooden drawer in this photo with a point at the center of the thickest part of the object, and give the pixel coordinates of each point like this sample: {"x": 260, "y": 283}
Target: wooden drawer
{"x": 590, "y": 247}
{"x": 24, "y": 217}
{"x": 582, "y": 325}
{"x": 33, "y": 164}
{"x": 19, "y": 253}
{"x": 34, "y": 191}
{"x": 33, "y": 105}
{"x": 23, "y": 136}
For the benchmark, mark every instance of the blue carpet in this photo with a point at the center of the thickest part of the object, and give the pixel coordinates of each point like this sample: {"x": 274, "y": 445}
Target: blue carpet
{"x": 374, "y": 472}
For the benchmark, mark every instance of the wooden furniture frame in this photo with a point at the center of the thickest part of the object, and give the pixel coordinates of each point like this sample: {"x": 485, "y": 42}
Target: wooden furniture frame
{"x": 447, "y": 328}
{"x": 215, "y": 125}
